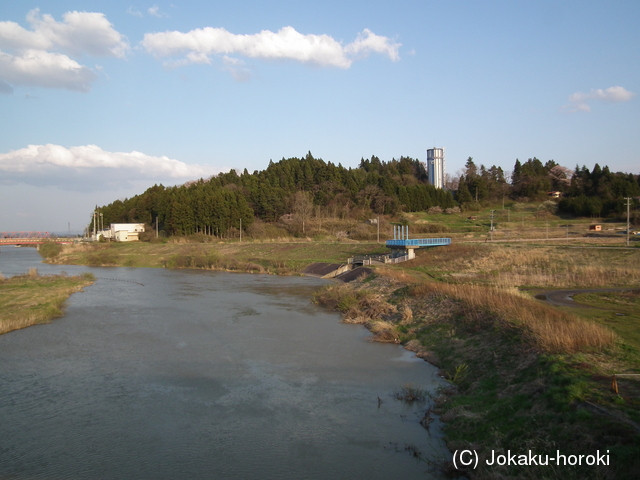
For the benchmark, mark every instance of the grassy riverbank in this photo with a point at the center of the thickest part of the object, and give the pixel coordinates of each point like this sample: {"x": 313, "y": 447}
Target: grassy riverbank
{"x": 525, "y": 376}
{"x": 33, "y": 299}
{"x": 268, "y": 257}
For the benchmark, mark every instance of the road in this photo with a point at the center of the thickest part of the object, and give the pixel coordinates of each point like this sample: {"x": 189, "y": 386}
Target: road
{"x": 564, "y": 298}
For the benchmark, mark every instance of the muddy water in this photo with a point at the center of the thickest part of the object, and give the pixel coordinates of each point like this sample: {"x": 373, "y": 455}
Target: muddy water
{"x": 190, "y": 374}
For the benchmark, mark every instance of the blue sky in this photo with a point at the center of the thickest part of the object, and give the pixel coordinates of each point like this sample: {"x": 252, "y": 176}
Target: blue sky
{"x": 101, "y": 100}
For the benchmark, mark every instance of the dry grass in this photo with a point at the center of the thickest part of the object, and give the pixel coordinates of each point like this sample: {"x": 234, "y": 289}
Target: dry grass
{"x": 32, "y": 299}
{"x": 383, "y": 331}
{"x": 357, "y": 305}
{"x": 551, "y": 330}
{"x": 476, "y": 307}
{"x": 397, "y": 275}
{"x": 503, "y": 266}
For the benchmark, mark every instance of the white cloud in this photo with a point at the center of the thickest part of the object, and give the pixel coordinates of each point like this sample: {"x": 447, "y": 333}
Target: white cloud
{"x": 579, "y": 101}
{"x": 43, "y": 69}
{"x": 237, "y": 68}
{"x": 90, "y": 167}
{"x": 134, "y": 11}
{"x": 368, "y": 41}
{"x": 79, "y": 33}
{"x": 287, "y": 43}
{"x": 156, "y": 12}
{"x": 40, "y": 56}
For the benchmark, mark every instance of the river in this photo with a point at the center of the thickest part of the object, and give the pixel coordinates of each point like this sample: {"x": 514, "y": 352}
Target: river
{"x": 166, "y": 374}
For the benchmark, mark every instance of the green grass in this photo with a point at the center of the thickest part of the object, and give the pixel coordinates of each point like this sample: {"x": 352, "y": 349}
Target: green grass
{"x": 620, "y": 311}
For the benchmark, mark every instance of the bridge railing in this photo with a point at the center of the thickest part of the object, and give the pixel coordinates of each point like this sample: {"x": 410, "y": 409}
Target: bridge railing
{"x": 419, "y": 242}
{"x": 25, "y": 235}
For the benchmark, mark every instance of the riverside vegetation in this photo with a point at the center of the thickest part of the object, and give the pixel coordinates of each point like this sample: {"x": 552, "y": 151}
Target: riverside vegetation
{"x": 525, "y": 376}
{"x": 33, "y": 299}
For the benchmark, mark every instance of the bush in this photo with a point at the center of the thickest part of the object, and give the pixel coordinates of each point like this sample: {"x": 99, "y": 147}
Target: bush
{"x": 101, "y": 258}
{"x": 194, "y": 257}
{"x": 50, "y": 250}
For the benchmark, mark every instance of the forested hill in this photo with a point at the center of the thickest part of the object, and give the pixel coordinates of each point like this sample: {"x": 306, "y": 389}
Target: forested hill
{"x": 301, "y": 186}
{"x": 309, "y": 186}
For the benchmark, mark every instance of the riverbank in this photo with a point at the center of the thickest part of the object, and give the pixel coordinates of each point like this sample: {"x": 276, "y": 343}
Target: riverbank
{"x": 525, "y": 376}
{"x": 33, "y": 299}
{"x": 280, "y": 258}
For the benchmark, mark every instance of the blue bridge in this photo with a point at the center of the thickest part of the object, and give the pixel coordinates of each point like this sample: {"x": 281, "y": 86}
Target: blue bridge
{"x": 418, "y": 242}
{"x": 404, "y": 247}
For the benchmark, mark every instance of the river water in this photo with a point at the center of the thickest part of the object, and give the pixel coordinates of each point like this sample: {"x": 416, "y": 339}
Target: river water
{"x": 161, "y": 374}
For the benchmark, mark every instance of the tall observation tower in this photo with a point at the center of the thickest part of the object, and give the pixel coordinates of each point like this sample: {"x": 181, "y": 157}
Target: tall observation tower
{"x": 435, "y": 166}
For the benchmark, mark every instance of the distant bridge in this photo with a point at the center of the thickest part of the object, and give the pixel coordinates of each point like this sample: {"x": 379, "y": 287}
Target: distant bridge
{"x": 403, "y": 248}
{"x": 30, "y": 238}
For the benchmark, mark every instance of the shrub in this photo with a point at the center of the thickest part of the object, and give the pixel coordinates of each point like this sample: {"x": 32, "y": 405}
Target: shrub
{"x": 410, "y": 393}
{"x": 102, "y": 257}
{"x": 50, "y": 250}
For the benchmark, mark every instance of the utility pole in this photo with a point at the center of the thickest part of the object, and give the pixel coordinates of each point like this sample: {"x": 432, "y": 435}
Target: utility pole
{"x": 240, "y": 230}
{"x": 378, "y": 224}
{"x": 628, "y": 199}
{"x": 156, "y": 226}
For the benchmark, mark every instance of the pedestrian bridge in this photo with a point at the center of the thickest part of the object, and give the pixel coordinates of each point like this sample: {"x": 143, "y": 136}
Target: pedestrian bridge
{"x": 418, "y": 242}
{"x": 402, "y": 247}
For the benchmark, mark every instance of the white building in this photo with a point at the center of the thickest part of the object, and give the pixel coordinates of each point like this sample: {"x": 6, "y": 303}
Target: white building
{"x": 435, "y": 167}
{"x": 124, "y": 232}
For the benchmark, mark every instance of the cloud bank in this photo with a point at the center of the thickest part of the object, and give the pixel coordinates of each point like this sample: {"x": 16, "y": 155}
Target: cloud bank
{"x": 91, "y": 168}
{"x": 579, "y": 102}
{"x": 198, "y": 46}
{"x": 41, "y": 56}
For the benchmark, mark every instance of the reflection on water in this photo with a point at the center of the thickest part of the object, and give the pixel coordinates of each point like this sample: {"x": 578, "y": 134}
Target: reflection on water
{"x": 198, "y": 374}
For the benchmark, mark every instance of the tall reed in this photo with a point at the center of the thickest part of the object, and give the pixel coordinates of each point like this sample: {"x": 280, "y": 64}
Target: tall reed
{"x": 551, "y": 330}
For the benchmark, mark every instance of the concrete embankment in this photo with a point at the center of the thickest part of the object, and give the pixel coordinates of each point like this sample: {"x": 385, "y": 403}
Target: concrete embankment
{"x": 325, "y": 270}
{"x": 339, "y": 271}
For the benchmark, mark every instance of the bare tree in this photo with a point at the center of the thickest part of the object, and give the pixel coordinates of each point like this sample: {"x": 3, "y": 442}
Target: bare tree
{"x": 302, "y": 206}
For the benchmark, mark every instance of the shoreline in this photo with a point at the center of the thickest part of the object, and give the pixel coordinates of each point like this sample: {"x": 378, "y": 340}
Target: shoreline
{"x": 34, "y": 299}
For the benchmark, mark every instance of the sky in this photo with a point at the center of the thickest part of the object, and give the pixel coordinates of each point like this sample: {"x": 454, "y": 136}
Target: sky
{"x": 100, "y": 100}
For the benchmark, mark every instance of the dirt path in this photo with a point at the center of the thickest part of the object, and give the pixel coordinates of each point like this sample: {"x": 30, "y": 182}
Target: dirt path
{"x": 564, "y": 298}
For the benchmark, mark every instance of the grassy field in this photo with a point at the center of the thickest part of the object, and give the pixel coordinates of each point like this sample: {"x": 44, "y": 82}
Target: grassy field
{"x": 516, "y": 222}
{"x": 33, "y": 299}
{"x": 533, "y": 266}
{"x": 620, "y": 311}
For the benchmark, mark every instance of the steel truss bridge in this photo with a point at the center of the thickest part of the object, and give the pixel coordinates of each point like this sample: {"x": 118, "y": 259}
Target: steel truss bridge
{"x": 30, "y": 238}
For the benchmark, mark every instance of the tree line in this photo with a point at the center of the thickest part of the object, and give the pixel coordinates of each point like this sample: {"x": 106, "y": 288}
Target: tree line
{"x": 310, "y": 186}
{"x": 301, "y": 186}
{"x": 582, "y": 193}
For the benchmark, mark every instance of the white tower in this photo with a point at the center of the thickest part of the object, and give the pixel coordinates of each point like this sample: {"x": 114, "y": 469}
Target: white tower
{"x": 435, "y": 167}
